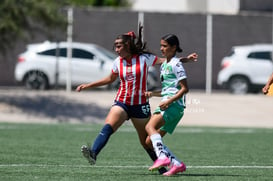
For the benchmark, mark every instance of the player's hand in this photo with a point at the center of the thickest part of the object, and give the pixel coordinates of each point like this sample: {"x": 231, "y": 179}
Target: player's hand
{"x": 148, "y": 94}
{"x": 80, "y": 87}
{"x": 265, "y": 89}
{"x": 164, "y": 105}
{"x": 193, "y": 57}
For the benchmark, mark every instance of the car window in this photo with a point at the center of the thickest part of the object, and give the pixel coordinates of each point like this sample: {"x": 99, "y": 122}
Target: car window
{"x": 265, "y": 55}
{"x": 63, "y": 52}
{"x": 107, "y": 53}
{"x": 230, "y": 53}
{"x": 52, "y": 52}
{"x": 76, "y": 53}
{"x": 79, "y": 53}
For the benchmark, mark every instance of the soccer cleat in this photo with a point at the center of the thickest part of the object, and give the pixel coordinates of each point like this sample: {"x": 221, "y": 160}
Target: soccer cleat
{"x": 88, "y": 154}
{"x": 175, "y": 169}
{"x": 160, "y": 163}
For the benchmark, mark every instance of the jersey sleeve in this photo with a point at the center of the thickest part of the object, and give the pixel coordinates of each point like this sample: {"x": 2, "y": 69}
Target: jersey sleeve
{"x": 179, "y": 71}
{"x": 115, "y": 66}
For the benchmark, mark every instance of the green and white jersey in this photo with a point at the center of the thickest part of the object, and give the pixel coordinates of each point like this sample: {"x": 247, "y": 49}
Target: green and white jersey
{"x": 171, "y": 73}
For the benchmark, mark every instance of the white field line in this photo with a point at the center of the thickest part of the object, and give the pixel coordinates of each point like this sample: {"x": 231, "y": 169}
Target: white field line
{"x": 185, "y": 130}
{"x": 139, "y": 166}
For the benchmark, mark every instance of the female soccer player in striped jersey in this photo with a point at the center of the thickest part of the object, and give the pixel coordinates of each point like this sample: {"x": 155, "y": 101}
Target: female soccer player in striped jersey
{"x": 171, "y": 108}
{"x": 130, "y": 103}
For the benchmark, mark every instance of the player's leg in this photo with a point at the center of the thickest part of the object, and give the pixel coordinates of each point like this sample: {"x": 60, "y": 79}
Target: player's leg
{"x": 140, "y": 115}
{"x": 176, "y": 164}
{"x": 149, "y": 144}
{"x": 114, "y": 120}
{"x": 175, "y": 113}
{"x": 140, "y": 124}
{"x": 152, "y": 126}
{"x": 155, "y": 122}
{"x": 148, "y": 140}
{"x": 174, "y": 159}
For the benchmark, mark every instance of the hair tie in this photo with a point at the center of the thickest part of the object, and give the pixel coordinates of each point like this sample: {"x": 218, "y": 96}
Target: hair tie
{"x": 132, "y": 34}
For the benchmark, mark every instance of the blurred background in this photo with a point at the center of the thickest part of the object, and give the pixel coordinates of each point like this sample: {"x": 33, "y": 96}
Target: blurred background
{"x": 212, "y": 28}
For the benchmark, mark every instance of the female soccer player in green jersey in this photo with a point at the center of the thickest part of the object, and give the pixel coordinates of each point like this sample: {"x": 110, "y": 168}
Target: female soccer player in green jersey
{"x": 171, "y": 109}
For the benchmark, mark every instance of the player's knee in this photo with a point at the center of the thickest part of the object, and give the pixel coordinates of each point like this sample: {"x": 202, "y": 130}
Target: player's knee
{"x": 149, "y": 129}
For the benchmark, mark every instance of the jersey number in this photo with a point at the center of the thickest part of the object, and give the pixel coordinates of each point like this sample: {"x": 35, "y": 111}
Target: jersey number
{"x": 145, "y": 109}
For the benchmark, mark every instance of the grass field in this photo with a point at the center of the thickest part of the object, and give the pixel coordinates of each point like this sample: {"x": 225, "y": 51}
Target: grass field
{"x": 52, "y": 152}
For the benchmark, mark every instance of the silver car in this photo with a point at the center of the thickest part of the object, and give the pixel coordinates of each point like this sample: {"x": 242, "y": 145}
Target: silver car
{"x": 44, "y": 65}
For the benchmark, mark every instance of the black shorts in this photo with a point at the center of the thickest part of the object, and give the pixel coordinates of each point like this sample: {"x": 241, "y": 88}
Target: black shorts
{"x": 135, "y": 111}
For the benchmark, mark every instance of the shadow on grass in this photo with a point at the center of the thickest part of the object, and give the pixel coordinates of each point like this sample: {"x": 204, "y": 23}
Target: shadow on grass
{"x": 192, "y": 175}
{"x": 209, "y": 175}
{"x": 202, "y": 175}
{"x": 56, "y": 107}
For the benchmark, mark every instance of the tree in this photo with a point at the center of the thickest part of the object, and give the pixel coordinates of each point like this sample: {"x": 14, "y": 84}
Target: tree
{"x": 20, "y": 18}
{"x": 99, "y": 3}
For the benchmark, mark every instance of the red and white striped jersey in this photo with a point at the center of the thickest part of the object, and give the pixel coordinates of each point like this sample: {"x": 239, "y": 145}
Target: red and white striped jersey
{"x": 133, "y": 78}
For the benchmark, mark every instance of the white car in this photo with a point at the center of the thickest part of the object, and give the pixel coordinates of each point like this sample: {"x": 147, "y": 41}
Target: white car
{"x": 44, "y": 65}
{"x": 246, "y": 69}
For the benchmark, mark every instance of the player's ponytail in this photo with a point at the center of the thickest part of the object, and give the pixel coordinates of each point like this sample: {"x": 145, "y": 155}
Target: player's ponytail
{"x": 140, "y": 46}
{"x": 137, "y": 46}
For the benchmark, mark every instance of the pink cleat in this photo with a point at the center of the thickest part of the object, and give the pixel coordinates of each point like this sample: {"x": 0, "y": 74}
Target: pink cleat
{"x": 175, "y": 169}
{"x": 160, "y": 163}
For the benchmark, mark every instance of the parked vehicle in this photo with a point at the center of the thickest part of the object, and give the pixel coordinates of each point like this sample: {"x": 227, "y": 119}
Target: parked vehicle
{"x": 44, "y": 65}
{"x": 246, "y": 69}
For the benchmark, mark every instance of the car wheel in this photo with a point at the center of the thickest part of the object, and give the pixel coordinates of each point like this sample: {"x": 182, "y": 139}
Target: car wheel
{"x": 36, "y": 80}
{"x": 239, "y": 85}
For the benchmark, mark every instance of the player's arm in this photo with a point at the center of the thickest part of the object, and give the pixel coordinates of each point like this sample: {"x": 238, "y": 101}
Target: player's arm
{"x": 267, "y": 85}
{"x": 184, "y": 89}
{"x": 190, "y": 58}
{"x": 150, "y": 94}
{"x": 107, "y": 80}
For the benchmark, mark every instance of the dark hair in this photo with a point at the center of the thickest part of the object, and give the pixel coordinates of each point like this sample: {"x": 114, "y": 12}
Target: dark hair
{"x": 172, "y": 40}
{"x": 137, "y": 47}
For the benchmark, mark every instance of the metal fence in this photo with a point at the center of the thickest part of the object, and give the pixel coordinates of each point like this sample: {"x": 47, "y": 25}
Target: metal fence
{"x": 102, "y": 27}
